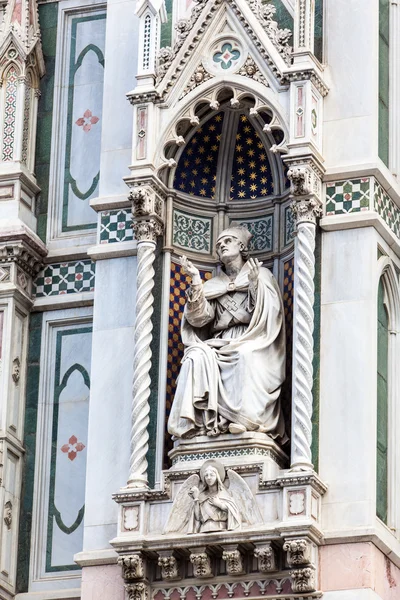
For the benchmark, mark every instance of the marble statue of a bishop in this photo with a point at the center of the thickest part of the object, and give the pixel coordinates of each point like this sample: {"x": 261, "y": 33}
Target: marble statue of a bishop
{"x": 234, "y": 361}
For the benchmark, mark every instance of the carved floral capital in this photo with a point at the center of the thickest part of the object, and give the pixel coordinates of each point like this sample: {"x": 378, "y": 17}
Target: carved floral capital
{"x": 137, "y": 591}
{"x": 306, "y": 210}
{"x": 169, "y": 567}
{"x": 234, "y": 562}
{"x": 266, "y": 558}
{"x": 298, "y": 552}
{"x": 303, "y": 580}
{"x": 201, "y": 564}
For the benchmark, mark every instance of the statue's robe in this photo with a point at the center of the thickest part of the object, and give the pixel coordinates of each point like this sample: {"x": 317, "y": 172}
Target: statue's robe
{"x": 234, "y": 360}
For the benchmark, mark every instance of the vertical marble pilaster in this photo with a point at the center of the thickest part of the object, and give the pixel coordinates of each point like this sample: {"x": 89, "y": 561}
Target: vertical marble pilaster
{"x": 148, "y": 226}
{"x": 304, "y": 26}
{"x": 306, "y": 209}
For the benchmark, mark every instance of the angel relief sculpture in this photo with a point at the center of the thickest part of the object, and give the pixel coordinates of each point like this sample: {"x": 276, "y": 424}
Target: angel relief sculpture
{"x": 214, "y": 501}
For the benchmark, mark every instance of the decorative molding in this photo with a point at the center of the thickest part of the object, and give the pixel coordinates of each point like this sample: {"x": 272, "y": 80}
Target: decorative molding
{"x": 132, "y": 566}
{"x": 303, "y": 580}
{"x": 201, "y": 563}
{"x": 21, "y": 254}
{"x": 298, "y": 551}
{"x": 169, "y": 567}
{"x": 234, "y": 561}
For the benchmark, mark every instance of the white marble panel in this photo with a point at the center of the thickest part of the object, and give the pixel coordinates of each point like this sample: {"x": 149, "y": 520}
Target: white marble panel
{"x": 121, "y": 50}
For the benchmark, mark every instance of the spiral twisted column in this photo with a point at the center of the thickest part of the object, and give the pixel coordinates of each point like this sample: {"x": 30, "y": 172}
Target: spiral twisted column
{"x": 306, "y": 209}
{"x": 146, "y": 232}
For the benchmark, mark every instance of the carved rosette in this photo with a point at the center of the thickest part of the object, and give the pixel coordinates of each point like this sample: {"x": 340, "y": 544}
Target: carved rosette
{"x": 201, "y": 564}
{"x": 266, "y": 558}
{"x": 137, "y": 591}
{"x": 169, "y": 567}
{"x": 132, "y": 566}
{"x": 306, "y": 209}
{"x": 147, "y": 211}
{"x": 298, "y": 552}
{"x": 303, "y": 580}
{"x": 234, "y": 562}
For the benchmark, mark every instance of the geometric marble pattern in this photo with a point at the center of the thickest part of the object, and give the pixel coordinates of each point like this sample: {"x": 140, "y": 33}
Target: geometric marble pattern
{"x": 192, "y": 233}
{"x": 65, "y": 278}
{"x": 343, "y": 197}
{"x": 116, "y": 226}
{"x": 386, "y": 208}
{"x": 262, "y": 230}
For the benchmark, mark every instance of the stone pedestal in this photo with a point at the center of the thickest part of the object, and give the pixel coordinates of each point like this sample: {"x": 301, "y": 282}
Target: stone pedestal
{"x": 232, "y": 450}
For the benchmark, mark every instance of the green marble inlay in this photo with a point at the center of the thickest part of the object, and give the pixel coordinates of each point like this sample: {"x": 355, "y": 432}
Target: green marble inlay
{"x": 31, "y": 408}
{"x": 319, "y": 29}
{"x": 166, "y": 28}
{"x": 382, "y": 408}
{"x": 48, "y": 15}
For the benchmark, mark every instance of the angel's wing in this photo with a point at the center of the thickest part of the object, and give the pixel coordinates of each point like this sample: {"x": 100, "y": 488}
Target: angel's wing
{"x": 182, "y": 507}
{"x": 244, "y": 499}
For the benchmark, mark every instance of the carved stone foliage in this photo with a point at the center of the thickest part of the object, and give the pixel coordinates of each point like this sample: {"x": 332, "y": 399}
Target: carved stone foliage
{"x": 251, "y": 70}
{"x": 16, "y": 370}
{"x": 234, "y": 562}
{"x": 137, "y": 591}
{"x": 304, "y": 182}
{"x": 8, "y": 514}
{"x": 147, "y": 212}
{"x": 132, "y": 566}
{"x": 279, "y": 37}
{"x": 169, "y": 567}
{"x": 306, "y": 211}
{"x": 201, "y": 564}
{"x": 266, "y": 558}
{"x": 22, "y": 255}
{"x": 300, "y": 181}
{"x": 303, "y": 580}
{"x": 298, "y": 551}
{"x": 199, "y": 76}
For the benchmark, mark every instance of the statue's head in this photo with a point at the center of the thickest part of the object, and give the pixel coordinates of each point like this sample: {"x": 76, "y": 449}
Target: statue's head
{"x": 233, "y": 241}
{"x": 212, "y": 472}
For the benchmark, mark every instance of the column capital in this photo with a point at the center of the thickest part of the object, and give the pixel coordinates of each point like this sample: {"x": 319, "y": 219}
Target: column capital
{"x": 147, "y": 212}
{"x": 305, "y": 187}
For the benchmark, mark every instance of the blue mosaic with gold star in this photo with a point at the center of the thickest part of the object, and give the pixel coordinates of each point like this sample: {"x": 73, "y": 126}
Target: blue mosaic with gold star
{"x": 196, "y": 172}
{"x": 251, "y": 171}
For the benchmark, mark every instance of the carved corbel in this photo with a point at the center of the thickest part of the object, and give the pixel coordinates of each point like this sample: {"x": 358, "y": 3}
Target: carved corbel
{"x": 169, "y": 566}
{"x": 298, "y": 552}
{"x": 133, "y": 566}
{"x": 137, "y": 591}
{"x": 266, "y": 557}
{"x": 303, "y": 580}
{"x": 8, "y": 517}
{"x": 234, "y": 560}
{"x": 201, "y": 563}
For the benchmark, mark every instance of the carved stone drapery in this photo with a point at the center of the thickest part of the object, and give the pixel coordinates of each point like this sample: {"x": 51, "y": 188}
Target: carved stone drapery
{"x": 147, "y": 211}
{"x": 306, "y": 209}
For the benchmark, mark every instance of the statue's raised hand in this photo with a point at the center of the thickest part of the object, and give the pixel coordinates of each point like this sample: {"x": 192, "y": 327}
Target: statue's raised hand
{"x": 254, "y": 269}
{"x": 190, "y": 269}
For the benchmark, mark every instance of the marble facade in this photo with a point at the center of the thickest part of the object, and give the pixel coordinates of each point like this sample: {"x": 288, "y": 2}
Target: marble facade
{"x": 105, "y": 109}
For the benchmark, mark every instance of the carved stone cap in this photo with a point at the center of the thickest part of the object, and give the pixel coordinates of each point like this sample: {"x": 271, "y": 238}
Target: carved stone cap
{"x": 147, "y": 211}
